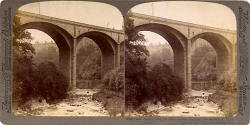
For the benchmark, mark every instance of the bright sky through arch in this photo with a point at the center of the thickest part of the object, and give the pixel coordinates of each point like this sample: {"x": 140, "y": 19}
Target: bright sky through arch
{"x": 153, "y": 38}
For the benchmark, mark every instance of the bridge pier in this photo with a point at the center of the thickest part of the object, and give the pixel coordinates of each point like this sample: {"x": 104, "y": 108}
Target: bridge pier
{"x": 117, "y": 56}
{"x": 188, "y": 82}
{"x": 64, "y": 63}
{"x": 73, "y": 64}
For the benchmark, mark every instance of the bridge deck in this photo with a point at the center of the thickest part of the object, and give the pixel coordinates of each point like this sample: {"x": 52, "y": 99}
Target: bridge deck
{"x": 24, "y": 13}
{"x": 164, "y": 20}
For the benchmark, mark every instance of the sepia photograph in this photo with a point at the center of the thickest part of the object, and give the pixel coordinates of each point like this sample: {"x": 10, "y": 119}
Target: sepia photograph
{"x": 68, "y": 59}
{"x": 124, "y": 62}
{"x": 71, "y": 59}
{"x": 180, "y": 60}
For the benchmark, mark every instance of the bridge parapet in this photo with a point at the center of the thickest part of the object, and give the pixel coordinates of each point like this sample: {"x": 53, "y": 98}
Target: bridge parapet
{"x": 75, "y": 29}
{"x": 189, "y": 30}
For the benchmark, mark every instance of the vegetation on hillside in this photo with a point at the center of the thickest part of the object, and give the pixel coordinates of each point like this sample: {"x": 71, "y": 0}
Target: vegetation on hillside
{"x": 204, "y": 64}
{"x": 46, "y": 52}
{"x": 226, "y": 93}
{"x": 162, "y": 53}
{"x": 89, "y": 61}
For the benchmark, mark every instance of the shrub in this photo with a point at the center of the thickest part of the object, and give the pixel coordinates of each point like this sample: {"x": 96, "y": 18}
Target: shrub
{"x": 114, "y": 80}
{"x": 51, "y": 84}
{"x": 161, "y": 84}
{"x": 22, "y": 92}
{"x": 112, "y": 94}
{"x": 164, "y": 85}
{"x": 227, "y": 80}
{"x": 135, "y": 93}
{"x": 226, "y": 93}
{"x": 23, "y": 79}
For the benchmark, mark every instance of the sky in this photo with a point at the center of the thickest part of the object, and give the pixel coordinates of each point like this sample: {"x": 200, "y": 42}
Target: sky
{"x": 100, "y": 14}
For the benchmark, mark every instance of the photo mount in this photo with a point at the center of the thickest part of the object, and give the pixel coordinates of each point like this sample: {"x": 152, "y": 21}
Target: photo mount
{"x": 240, "y": 9}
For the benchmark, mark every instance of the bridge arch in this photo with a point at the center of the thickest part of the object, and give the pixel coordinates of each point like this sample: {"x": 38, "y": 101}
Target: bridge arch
{"x": 108, "y": 47}
{"x": 62, "y": 39}
{"x": 222, "y": 46}
{"x": 176, "y": 40}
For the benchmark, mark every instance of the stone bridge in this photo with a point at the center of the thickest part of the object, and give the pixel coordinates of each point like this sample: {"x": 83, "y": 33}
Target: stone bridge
{"x": 182, "y": 35}
{"x": 67, "y": 35}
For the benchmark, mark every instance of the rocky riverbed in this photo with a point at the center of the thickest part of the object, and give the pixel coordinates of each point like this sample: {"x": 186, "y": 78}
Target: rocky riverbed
{"x": 194, "y": 104}
{"x": 78, "y": 103}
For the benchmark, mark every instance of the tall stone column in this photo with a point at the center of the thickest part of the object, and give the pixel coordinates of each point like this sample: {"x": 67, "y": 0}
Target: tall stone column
{"x": 233, "y": 53}
{"x": 65, "y": 63}
{"x": 73, "y": 64}
{"x": 117, "y": 54}
{"x": 188, "y": 66}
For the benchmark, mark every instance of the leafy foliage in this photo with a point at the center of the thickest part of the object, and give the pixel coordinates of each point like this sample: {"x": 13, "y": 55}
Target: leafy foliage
{"x": 51, "y": 84}
{"x": 114, "y": 80}
{"x": 227, "y": 80}
{"x": 143, "y": 83}
{"x": 164, "y": 85}
{"x": 28, "y": 82}
{"x": 135, "y": 63}
{"x": 22, "y": 62}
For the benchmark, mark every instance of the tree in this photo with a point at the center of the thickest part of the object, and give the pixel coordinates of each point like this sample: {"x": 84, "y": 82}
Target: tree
{"x": 23, "y": 52}
{"x": 144, "y": 83}
{"x": 28, "y": 81}
{"x": 136, "y": 55}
